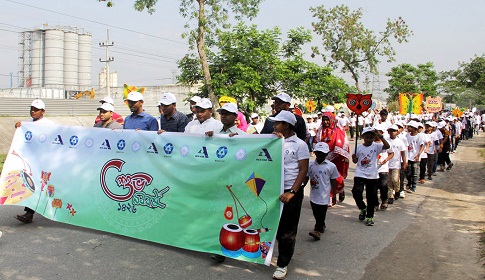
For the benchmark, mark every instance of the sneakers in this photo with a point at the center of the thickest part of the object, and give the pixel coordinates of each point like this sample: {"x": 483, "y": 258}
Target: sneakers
{"x": 341, "y": 196}
{"x": 430, "y": 178}
{"x": 449, "y": 166}
{"x": 369, "y": 221}
{"x": 434, "y": 174}
{"x": 401, "y": 194}
{"x": 384, "y": 205}
{"x": 362, "y": 214}
{"x": 280, "y": 272}
{"x": 390, "y": 201}
{"x": 315, "y": 234}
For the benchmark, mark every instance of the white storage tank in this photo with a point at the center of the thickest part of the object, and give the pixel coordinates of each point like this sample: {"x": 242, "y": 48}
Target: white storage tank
{"x": 84, "y": 65}
{"x": 71, "y": 61}
{"x": 54, "y": 58}
{"x": 37, "y": 58}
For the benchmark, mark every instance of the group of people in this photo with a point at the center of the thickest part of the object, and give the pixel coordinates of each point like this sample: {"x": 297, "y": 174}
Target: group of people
{"x": 392, "y": 154}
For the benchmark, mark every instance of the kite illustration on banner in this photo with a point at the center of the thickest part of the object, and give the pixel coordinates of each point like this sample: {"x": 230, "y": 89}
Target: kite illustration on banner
{"x": 17, "y": 185}
{"x": 411, "y": 103}
{"x": 359, "y": 103}
{"x": 127, "y": 89}
{"x": 239, "y": 239}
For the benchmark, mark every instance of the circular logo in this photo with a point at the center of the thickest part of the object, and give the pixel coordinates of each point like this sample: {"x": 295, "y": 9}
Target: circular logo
{"x": 121, "y": 144}
{"x": 240, "y": 154}
{"x": 184, "y": 150}
{"x": 89, "y": 142}
{"x": 74, "y": 140}
{"x": 42, "y": 138}
{"x": 168, "y": 148}
{"x": 28, "y": 135}
{"x": 221, "y": 152}
{"x": 136, "y": 146}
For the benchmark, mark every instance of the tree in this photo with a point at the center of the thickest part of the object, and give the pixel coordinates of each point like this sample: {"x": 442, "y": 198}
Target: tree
{"x": 210, "y": 15}
{"x": 407, "y": 78}
{"x": 352, "y": 45}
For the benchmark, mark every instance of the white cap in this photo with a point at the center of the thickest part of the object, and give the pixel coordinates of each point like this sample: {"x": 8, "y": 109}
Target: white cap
{"x": 254, "y": 115}
{"x": 433, "y": 124}
{"x": 393, "y": 127}
{"x": 39, "y": 104}
{"x": 230, "y": 107}
{"x": 134, "y": 96}
{"x": 321, "y": 147}
{"x": 107, "y": 107}
{"x": 400, "y": 124}
{"x": 283, "y": 97}
{"x": 368, "y": 129}
{"x": 330, "y": 109}
{"x": 441, "y": 124}
{"x": 413, "y": 124}
{"x": 381, "y": 127}
{"x": 167, "y": 99}
{"x": 195, "y": 98}
{"x": 107, "y": 99}
{"x": 420, "y": 124}
{"x": 204, "y": 103}
{"x": 284, "y": 116}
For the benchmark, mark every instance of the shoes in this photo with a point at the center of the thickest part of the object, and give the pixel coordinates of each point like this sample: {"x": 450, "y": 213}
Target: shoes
{"x": 384, "y": 205}
{"x": 434, "y": 174}
{"x": 341, "y": 196}
{"x": 280, "y": 272}
{"x": 421, "y": 181}
{"x": 401, "y": 194}
{"x": 390, "y": 201}
{"x": 430, "y": 178}
{"x": 369, "y": 221}
{"x": 376, "y": 208}
{"x": 413, "y": 189}
{"x": 362, "y": 214}
{"x": 449, "y": 166}
{"x": 218, "y": 258}
{"x": 315, "y": 234}
{"x": 24, "y": 218}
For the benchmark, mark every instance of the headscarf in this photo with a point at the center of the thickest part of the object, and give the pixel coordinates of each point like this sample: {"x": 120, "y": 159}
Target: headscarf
{"x": 243, "y": 124}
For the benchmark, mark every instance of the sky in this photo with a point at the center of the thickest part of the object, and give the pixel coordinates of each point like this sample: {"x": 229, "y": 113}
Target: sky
{"x": 147, "y": 47}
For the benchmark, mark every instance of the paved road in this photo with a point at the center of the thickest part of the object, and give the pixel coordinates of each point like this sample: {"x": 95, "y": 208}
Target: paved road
{"x": 51, "y": 250}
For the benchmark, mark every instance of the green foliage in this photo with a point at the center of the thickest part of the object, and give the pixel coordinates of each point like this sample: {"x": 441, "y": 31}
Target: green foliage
{"x": 352, "y": 45}
{"x": 407, "y": 78}
{"x": 2, "y": 161}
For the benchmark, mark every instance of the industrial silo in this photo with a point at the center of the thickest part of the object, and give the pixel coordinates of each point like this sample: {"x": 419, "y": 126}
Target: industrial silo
{"x": 37, "y": 58}
{"x": 71, "y": 61}
{"x": 84, "y": 65}
{"x": 54, "y": 58}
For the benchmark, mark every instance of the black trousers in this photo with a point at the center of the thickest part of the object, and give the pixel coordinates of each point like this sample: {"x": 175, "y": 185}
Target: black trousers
{"x": 28, "y": 210}
{"x": 288, "y": 228}
{"x": 319, "y": 213}
{"x": 382, "y": 186}
{"x": 422, "y": 168}
{"x": 370, "y": 194}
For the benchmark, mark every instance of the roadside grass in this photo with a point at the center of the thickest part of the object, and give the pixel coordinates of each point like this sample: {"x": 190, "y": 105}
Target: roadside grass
{"x": 2, "y": 160}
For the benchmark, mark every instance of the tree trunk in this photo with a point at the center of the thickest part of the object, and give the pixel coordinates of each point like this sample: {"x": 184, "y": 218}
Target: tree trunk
{"x": 203, "y": 57}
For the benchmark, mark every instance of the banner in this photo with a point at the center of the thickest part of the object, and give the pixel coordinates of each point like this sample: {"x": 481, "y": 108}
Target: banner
{"x": 411, "y": 103}
{"x": 433, "y": 104}
{"x": 216, "y": 194}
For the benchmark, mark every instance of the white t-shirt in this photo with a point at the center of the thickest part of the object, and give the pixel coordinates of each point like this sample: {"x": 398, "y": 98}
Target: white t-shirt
{"x": 320, "y": 176}
{"x": 414, "y": 145}
{"x": 426, "y": 139}
{"x": 367, "y": 160}
{"x": 397, "y": 146}
{"x": 294, "y": 150}
{"x": 210, "y": 124}
{"x": 383, "y": 168}
{"x": 343, "y": 121}
{"x": 311, "y": 128}
{"x": 433, "y": 137}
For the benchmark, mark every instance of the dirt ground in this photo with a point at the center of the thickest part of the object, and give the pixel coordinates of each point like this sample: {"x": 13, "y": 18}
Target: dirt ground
{"x": 446, "y": 239}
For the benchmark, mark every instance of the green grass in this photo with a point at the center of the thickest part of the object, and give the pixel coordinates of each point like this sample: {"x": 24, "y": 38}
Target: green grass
{"x": 2, "y": 160}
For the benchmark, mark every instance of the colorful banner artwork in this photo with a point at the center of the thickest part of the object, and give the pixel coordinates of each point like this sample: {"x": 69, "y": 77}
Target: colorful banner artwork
{"x": 310, "y": 106}
{"x": 411, "y": 103}
{"x": 216, "y": 194}
{"x": 458, "y": 112}
{"x": 433, "y": 104}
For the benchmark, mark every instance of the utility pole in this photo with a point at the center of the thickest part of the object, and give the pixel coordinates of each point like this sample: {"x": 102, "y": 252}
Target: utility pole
{"x": 108, "y": 59}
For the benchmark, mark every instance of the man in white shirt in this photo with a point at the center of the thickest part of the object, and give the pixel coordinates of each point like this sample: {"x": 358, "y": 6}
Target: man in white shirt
{"x": 204, "y": 123}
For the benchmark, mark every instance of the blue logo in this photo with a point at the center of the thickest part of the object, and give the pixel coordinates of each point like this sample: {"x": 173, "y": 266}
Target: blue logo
{"x": 136, "y": 146}
{"x": 264, "y": 156}
{"x": 202, "y": 153}
{"x": 58, "y": 140}
{"x": 121, "y": 144}
{"x": 240, "y": 154}
{"x": 221, "y": 152}
{"x": 74, "y": 140}
{"x": 184, "y": 150}
{"x": 28, "y": 135}
{"x": 105, "y": 145}
{"x": 152, "y": 149}
{"x": 168, "y": 148}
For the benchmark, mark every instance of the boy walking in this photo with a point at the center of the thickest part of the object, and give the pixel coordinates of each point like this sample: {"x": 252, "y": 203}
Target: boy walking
{"x": 366, "y": 173}
{"x": 322, "y": 175}
{"x": 400, "y": 151}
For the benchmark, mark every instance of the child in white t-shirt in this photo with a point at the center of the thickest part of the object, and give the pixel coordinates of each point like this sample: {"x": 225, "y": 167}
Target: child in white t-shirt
{"x": 395, "y": 164}
{"x": 416, "y": 145}
{"x": 322, "y": 175}
{"x": 383, "y": 169}
{"x": 366, "y": 174}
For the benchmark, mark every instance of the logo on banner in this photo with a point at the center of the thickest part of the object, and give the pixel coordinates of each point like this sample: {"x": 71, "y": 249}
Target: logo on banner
{"x": 28, "y": 135}
{"x": 264, "y": 155}
{"x": 89, "y": 142}
{"x": 184, "y": 150}
{"x": 136, "y": 146}
{"x": 152, "y": 149}
{"x": 240, "y": 154}
{"x": 58, "y": 140}
{"x": 168, "y": 148}
{"x": 105, "y": 145}
{"x": 73, "y": 140}
{"x": 202, "y": 153}
{"x": 42, "y": 138}
{"x": 221, "y": 152}
{"x": 121, "y": 144}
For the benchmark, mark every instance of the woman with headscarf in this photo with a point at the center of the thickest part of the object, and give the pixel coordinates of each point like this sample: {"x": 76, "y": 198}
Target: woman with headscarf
{"x": 335, "y": 136}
